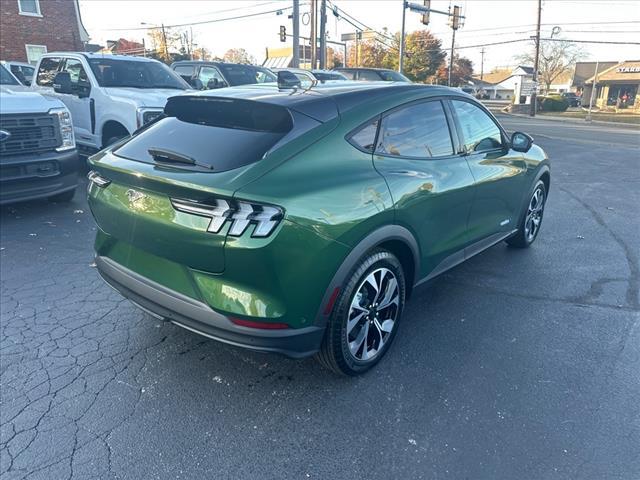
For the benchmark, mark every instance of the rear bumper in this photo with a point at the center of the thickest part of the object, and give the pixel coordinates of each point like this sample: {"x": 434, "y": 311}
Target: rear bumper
{"x": 28, "y": 177}
{"x": 196, "y": 316}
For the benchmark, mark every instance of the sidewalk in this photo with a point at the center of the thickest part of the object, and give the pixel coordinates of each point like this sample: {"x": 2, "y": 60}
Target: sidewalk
{"x": 573, "y": 120}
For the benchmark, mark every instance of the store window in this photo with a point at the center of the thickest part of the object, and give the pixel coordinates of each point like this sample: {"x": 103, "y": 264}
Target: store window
{"x": 29, "y": 7}
{"x": 34, "y": 52}
{"x": 622, "y": 96}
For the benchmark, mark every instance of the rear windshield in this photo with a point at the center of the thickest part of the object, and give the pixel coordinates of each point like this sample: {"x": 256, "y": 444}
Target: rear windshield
{"x": 391, "y": 76}
{"x": 325, "y": 76}
{"x": 6, "y": 78}
{"x": 246, "y": 74}
{"x": 220, "y": 133}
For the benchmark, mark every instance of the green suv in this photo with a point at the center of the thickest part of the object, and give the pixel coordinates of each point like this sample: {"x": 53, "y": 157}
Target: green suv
{"x": 299, "y": 221}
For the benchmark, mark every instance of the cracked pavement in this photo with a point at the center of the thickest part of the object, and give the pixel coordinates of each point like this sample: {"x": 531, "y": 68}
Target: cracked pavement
{"x": 516, "y": 364}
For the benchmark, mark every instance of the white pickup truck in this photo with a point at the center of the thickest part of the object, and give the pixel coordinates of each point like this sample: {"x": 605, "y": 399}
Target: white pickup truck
{"x": 109, "y": 96}
{"x": 38, "y": 157}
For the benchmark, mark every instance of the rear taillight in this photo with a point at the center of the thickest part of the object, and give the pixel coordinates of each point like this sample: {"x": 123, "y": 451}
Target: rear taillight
{"x": 239, "y": 214}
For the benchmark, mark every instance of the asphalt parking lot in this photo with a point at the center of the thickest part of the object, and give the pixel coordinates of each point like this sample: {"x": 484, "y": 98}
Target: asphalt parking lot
{"x": 518, "y": 364}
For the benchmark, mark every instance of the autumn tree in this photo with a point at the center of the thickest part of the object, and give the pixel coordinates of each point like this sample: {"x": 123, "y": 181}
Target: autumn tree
{"x": 334, "y": 59}
{"x": 161, "y": 48}
{"x": 461, "y": 72}
{"x": 368, "y": 53}
{"x": 556, "y": 58}
{"x": 238, "y": 55}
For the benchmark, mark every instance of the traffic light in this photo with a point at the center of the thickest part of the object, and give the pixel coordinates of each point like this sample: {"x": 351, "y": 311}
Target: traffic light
{"x": 456, "y": 18}
{"x": 425, "y": 15}
{"x": 283, "y": 33}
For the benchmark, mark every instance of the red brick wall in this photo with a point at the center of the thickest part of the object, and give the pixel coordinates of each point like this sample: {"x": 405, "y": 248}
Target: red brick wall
{"x": 57, "y": 28}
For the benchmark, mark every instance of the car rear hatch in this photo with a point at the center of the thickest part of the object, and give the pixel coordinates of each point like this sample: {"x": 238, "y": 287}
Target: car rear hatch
{"x": 158, "y": 191}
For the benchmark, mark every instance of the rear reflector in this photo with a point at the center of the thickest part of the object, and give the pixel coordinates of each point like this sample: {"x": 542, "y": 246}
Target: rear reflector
{"x": 332, "y": 301}
{"x": 261, "y": 325}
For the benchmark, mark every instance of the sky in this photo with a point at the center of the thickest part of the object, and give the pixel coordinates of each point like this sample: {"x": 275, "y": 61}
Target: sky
{"x": 486, "y": 22}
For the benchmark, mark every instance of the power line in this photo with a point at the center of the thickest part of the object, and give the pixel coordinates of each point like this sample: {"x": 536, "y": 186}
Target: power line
{"x": 238, "y": 17}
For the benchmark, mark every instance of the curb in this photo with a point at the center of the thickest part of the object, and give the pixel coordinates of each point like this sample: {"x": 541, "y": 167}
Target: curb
{"x": 574, "y": 120}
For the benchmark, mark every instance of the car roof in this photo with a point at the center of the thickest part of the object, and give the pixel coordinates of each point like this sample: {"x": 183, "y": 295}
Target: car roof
{"x": 324, "y": 101}
{"x": 210, "y": 62}
{"x": 364, "y": 68}
{"x": 108, "y": 56}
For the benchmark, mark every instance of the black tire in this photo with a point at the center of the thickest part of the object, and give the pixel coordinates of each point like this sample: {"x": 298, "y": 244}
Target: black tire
{"x": 335, "y": 353}
{"x": 111, "y": 140}
{"x": 63, "y": 197}
{"x": 523, "y": 238}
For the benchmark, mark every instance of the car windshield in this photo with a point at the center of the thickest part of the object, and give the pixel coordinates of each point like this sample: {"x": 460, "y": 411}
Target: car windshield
{"x": 246, "y": 74}
{"x": 391, "y": 76}
{"x": 6, "y": 78}
{"x": 136, "y": 74}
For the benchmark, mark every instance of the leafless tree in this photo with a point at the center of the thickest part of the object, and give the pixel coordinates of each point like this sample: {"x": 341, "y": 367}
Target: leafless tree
{"x": 556, "y": 58}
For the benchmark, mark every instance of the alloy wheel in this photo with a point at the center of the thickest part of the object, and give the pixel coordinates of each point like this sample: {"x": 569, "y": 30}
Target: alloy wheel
{"x": 372, "y": 314}
{"x": 535, "y": 211}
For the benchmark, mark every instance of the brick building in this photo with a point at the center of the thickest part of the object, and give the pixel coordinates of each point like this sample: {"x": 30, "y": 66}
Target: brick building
{"x": 29, "y": 28}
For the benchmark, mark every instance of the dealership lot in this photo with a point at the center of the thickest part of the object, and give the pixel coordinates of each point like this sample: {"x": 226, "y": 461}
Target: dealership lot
{"x": 517, "y": 364}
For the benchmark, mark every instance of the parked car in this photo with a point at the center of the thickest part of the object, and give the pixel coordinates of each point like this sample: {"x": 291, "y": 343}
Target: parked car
{"x": 212, "y": 75}
{"x": 310, "y": 77}
{"x": 372, "y": 74}
{"x": 38, "y": 157}
{"x": 573, "y": 99}
{"x": 22, "y": 71}
{"x": 300, "y": 221}
{"x": 109, "y": 96}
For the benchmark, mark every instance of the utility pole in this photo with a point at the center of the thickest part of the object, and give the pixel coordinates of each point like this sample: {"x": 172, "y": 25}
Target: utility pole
{"x": 296, "y": 33}
{"x": 593, "y": 91}
{"x": 534, "y": 95}
{"x": 314, "y": 35}
{"x": 164, "y": 42}
{"x": 482, "y": 64}
{"x": 401, "y": 59}
{"x": 323, "y": 34}
{"x": 455, "y": 24}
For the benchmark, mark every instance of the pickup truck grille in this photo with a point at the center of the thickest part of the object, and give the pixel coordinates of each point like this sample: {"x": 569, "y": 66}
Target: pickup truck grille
{"x": 29, "y": 133}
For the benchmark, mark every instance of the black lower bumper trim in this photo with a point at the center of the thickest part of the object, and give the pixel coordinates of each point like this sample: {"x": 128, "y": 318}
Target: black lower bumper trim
{"x": 198, "y": 317}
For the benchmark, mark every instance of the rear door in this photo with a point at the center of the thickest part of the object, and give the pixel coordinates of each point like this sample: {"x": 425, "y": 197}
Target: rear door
{"x": 431, "y": 184}
{"x": 499, "y": 172}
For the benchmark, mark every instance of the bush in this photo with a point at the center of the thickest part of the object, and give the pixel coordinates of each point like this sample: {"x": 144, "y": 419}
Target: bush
{"x": 552, "y": 103}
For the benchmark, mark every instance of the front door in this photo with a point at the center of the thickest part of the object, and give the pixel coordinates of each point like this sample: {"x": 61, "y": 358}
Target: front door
{"x": 499, "y": 172}
{"x": 431, "y": 184}
{"x": 78, "y": 101}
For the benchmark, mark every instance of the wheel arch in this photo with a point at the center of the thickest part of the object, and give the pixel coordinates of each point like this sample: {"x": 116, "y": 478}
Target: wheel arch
{"x": 111, "y": 128}
{"x": 394, "y": 238}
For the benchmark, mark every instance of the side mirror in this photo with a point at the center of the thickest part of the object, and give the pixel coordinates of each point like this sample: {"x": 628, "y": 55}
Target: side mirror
{"x": 84, "y": 89}
{"x": 196, "y": 83}
{"x": 287, "y": 79}
{"x": 521, "y": 142}
{"x": 214, "y": 83}
{"x": 62, "y": 82}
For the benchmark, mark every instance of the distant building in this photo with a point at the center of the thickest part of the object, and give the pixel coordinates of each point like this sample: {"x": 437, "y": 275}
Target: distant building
{"x": 562, "y": 83}
{"x": 586, "y": 70}
{"x": 616, "y": 87}
{"x": 504, "y": 83}
{"x": 282, "y": 57}
{"x": 33, "y": 27}
{"x": 122, "y": 46}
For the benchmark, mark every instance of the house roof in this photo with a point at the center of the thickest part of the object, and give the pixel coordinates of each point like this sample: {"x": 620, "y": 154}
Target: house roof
{"x": 586, "y": 70}
{"x": 525, "y": 69}
{"x": 628, "y": 70}
{"x": 563, "y": 78}
{"x": 496, "y": 76}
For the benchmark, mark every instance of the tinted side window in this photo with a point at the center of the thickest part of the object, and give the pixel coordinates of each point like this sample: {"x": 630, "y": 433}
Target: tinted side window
{"x": 479, "y": 131}
{"x": 208, "y": 74}
{"x": 47, "y": 70}
{"x": 350, "y": 74}
{"x": 365, "y": 137}
{"x": 369, "y": 76}
{"x": 418, "y": 130}
{"x": 184, "y": 70}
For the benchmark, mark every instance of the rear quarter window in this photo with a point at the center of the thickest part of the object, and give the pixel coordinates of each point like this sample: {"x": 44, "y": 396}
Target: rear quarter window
{"x": 364, "y": 138}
